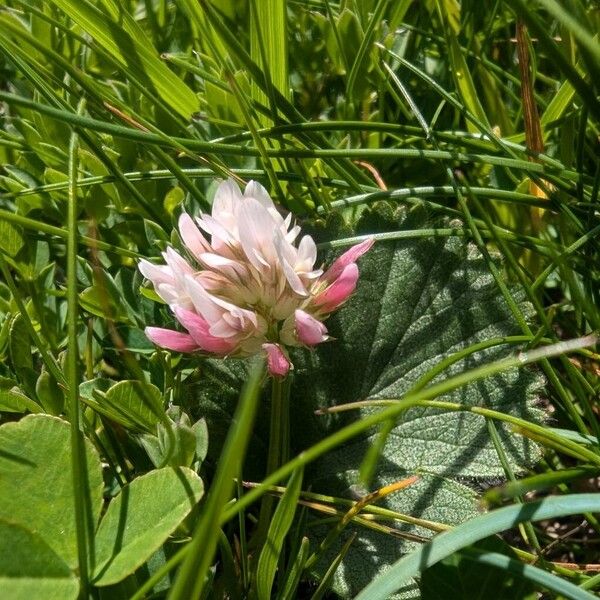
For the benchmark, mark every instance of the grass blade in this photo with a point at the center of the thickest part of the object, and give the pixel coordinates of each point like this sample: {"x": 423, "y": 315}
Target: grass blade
{"x": 83, "y": 522}
{"x": 191, "y": 579}
{"x": 130, "y": 46}
{"x": 472, "y": 531}
{"x": 280, "y": 525}
{"x": 565, "y": 589}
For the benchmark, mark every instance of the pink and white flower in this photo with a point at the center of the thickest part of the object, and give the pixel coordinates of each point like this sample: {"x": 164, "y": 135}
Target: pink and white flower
{"x": 247, "y": 287}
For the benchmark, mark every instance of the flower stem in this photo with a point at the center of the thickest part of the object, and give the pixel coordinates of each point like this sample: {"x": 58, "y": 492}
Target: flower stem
{"x": 279, "y": 435}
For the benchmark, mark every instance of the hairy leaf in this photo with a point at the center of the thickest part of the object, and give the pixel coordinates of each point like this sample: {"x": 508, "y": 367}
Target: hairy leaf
{"x": 418, "y": 302}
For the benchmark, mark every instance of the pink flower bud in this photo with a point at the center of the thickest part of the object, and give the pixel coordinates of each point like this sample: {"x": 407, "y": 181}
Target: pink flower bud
{"x": 349, "y": 257}
{"x": 309, "y": 331}
{"x": 339, "y": 291}
{"x": 277, "y": 362}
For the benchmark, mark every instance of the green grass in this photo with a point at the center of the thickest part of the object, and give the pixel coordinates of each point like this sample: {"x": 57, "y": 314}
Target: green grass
{"x": 402, "y": 121}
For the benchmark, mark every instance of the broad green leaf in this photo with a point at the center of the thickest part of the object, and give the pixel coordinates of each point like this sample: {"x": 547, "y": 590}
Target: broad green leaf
{"x": 173, "y": 199}
{"x": 36, "y": 486}
{"x": 97, "y": 300}
{"x": 134, "y": 404}
{"x": 13, "y": 400}
{"x": 49, "y": 394}
{"x": 200, "y": 430}
{"x": 11, "y": 238}
{"x": 20, "y": 354}
{"x": 418, "y": 301}
{"x": 30, "y": 569}
{"x": 141, "y": 518}
{"x": 177, "y": 447}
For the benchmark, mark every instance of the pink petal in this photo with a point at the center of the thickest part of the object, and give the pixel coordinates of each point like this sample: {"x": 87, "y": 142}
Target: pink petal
{"x": 191, "y": 235}
{"x": 198, "y": 329}
{"x": 349, "y": 257}
{"x": 277, "y": 362}
{"x": 172, "y": 340}
{"x": 339, "y": 291}
{"x": 310, "y": 331}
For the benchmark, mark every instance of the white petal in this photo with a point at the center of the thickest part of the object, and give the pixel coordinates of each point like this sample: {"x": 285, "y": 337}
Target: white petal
{"x": 293, "y": 279}
{"x": 155, "y": 273}
{"x": 283, "y": 249}
{"x": 191, "y": 235}
{"x": 223, "y": 329}
{"x": 203, "y": 301}
{"x": 256, "y": 231}
{"x": 178, "y": 264}
{"x": 170, "y": 294}
{"x": 259, "y": 257}
{"x": 227, "y": 199}
{"x": 241, "y": 314}
{"x": 216, "y": 230}
{"x": 307, "y": 253}
{"x": 292, "y": 234}
{"x": 229, "y": 268}
{"x": 257, "y": 191}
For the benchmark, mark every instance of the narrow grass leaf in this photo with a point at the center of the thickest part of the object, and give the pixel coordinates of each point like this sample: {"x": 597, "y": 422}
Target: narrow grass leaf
{"x": 191, "y": 578}
{"x": 549, "y": 581}
{"x": 278, "y": 530}
{"x": 462, "y": 76}
{"x": 365, "y": 46}
{"x": 470, "y": 532}
{"x": 129, "y": 45}
{"x": 290, "y": 587}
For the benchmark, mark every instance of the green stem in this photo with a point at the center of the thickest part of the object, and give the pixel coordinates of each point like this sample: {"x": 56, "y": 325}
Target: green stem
{"x": 194, "y": 572}
{"x": 278, "y": 446}
{"x": 78, "y": 462}
{"x": 275, "y": 437}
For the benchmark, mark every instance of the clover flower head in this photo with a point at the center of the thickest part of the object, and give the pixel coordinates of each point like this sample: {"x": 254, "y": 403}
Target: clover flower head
{"x": 248, "y": 285}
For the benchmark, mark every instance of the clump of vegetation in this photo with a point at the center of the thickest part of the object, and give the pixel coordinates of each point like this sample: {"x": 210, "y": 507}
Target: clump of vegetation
{"x": 427, "y": 429}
